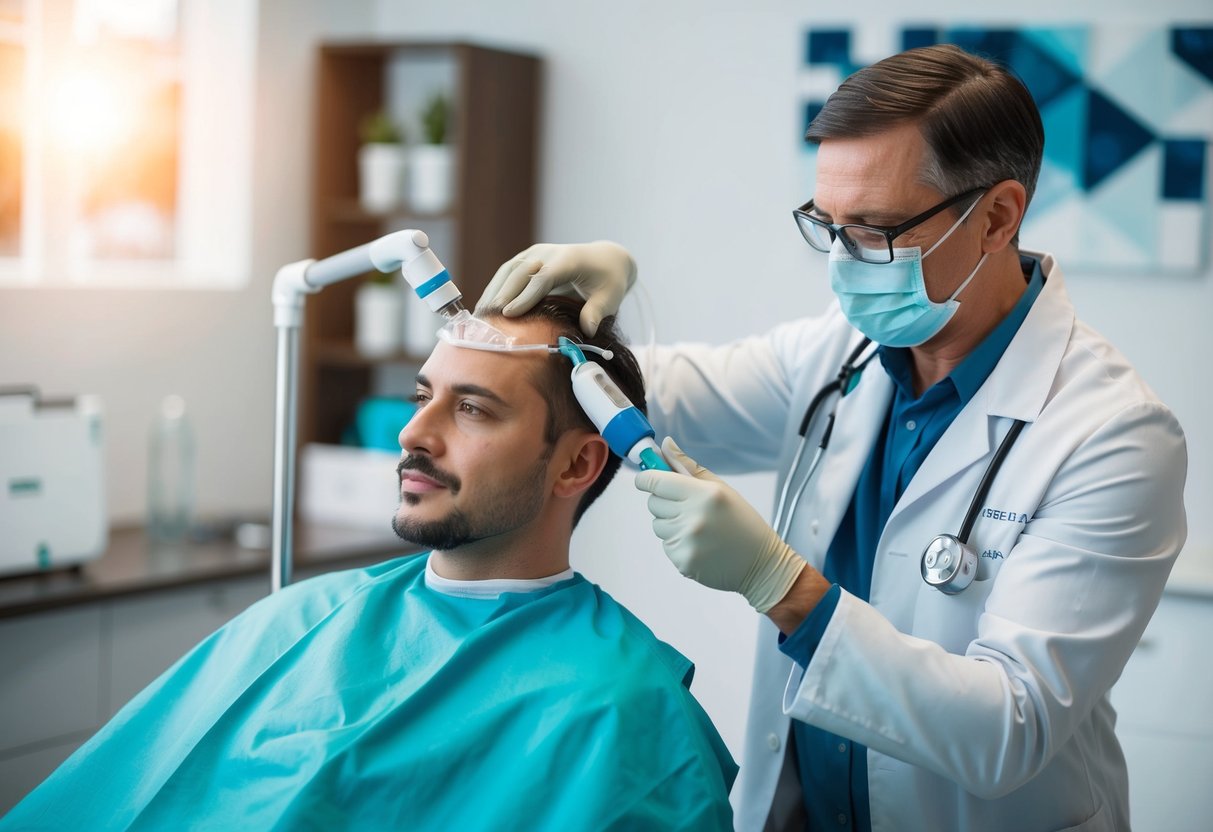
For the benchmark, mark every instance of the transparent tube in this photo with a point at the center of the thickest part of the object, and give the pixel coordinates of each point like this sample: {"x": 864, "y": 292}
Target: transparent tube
{"x": 454, "y": 311}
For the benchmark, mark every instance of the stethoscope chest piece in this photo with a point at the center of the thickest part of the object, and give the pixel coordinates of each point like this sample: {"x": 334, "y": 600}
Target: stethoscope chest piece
{"x": 948, "y": 564}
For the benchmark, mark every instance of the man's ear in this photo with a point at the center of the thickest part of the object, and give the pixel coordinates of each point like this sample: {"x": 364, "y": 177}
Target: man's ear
{"x": 1007, "y": 203}
{"x": 579, "y": 458}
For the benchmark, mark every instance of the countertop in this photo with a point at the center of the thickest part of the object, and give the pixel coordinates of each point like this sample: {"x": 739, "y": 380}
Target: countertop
{"x": 132, "y": 563}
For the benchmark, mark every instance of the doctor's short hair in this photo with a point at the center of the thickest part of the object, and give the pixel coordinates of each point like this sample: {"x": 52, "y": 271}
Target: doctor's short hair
{"x": 564, "y": 413}
{"x": 979, "y": 121}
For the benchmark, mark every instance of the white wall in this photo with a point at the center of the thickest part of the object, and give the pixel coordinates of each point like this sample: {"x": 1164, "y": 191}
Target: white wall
{"x": 215, "y": 348}
{"x": 671, "y": 127}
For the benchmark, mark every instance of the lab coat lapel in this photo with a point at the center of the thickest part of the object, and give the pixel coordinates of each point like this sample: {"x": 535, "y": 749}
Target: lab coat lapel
{"x": 1017, "y": 388}
{"x": 965, "y": 442}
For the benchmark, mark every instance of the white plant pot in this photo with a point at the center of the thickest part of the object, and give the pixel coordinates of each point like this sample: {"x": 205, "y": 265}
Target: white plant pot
{"x": 420, "y": 326}
{"x": 378, "y": 319}
{"x": 431, "y": 177}
{"x": 380, "y": 176}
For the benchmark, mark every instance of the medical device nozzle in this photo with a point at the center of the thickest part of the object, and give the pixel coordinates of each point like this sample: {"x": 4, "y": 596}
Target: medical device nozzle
{"x": 622, "y": 425}
{"x": 410, "y": 251}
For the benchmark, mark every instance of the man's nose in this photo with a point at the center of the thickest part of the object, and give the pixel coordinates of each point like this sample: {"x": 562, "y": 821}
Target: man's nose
{"x": 422, "y": 433}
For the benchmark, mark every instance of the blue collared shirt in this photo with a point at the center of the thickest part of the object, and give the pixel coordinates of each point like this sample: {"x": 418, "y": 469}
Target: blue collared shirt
{"x": 833, "y": 769}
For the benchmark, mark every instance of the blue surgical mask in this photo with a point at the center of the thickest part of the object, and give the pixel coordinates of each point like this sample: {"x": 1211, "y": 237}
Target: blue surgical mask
{"x": 888, "y": 302}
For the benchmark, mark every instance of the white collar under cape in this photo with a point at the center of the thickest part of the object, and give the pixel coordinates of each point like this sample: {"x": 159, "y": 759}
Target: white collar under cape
{"x": 491, "y": 588}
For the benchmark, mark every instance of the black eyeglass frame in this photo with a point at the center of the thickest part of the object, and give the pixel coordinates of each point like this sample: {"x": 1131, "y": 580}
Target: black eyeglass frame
{"x": 889, "y": 232}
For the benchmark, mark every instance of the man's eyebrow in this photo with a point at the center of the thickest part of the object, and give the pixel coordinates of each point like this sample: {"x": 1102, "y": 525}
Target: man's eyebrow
{"x": 466, "y": 390}
{"x": 869, "y": 217}
{"x": 865, "y": 217}
{"x": 879, "y": 217}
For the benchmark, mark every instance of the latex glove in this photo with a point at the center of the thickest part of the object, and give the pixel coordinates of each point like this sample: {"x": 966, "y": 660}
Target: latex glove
{"x": 601, "y": 273}
{"x": 714, "y": 536}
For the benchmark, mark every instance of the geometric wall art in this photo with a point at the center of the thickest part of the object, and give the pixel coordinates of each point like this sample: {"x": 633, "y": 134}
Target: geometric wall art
{"x": 1128, "y": 119}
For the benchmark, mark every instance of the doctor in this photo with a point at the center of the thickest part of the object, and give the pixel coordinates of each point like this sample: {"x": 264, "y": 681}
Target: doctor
{"x": 879, "y": 701}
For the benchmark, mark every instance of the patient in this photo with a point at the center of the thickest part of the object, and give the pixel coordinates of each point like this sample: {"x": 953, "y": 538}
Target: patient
{"x": 482, "y": 686}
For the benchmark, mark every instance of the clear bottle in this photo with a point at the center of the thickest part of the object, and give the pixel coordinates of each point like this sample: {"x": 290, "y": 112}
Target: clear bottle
{"x": 170, "y": 472}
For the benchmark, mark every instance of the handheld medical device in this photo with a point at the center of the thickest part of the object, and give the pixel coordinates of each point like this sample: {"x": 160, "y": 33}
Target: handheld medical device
{"x": 52, "y": 481}
{"x": 948, "y": 562}
{"x": 622, "y": 425}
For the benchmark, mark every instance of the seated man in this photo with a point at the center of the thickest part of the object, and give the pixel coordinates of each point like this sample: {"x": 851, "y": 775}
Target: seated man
{"x": 482, "y": 686}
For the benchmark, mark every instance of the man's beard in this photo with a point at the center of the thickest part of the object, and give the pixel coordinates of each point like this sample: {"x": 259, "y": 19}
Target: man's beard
{"x": 508, "y": 507}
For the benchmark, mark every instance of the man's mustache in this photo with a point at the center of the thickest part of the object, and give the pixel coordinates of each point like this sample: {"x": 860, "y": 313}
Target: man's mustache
{"x": 424, "y": 466}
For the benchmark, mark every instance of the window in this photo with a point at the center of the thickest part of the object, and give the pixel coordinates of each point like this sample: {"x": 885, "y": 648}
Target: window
{"x": 126, "y": 142}
{"x": 12, "y": 81}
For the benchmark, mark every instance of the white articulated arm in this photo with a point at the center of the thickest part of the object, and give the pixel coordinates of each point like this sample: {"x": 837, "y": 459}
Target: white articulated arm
{"x": 407, "y": 250}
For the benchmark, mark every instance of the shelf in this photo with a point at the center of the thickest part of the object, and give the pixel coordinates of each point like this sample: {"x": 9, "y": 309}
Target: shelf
{"x": 351, "y": 211}
{"x": 495, "y": 102}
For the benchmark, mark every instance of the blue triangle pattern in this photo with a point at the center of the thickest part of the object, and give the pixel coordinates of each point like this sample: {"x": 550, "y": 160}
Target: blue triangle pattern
{"x": 831, "y": 47}
{"x": 1183, "y": 169}
{"x": 1054, "y": 185}
{"x": 1194, "y": 46}
{"x": 916, "y": 36}
{"x": 1045, "y": 75}
{"x": 992, "y": 43}
{"x": 1113, "y": 138}
{"x": 1138, "y": 79}
{"x": 1123, "y": 204}
{"x": 1065, "y": 121}
{"x": 1068, "y": 45}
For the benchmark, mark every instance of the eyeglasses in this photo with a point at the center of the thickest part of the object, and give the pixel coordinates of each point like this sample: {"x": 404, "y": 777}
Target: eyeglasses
{"x": 869, "y": 243}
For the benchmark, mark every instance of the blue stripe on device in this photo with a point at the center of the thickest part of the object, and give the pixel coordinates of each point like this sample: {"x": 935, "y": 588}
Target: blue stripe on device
{"x": 433, "y": 283}
{"x": 626, "y": 428}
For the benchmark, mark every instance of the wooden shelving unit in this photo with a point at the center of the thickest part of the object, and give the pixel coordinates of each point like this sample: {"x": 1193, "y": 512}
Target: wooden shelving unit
{"x": 495, "y": 119}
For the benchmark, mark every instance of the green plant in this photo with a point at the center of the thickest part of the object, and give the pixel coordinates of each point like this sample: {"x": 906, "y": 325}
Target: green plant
{"x": 435, "y": 118}
{"x": 378, "y": 128}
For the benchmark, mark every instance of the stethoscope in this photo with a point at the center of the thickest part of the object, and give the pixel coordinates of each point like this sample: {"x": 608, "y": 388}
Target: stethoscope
{"x": 948, "y": 562}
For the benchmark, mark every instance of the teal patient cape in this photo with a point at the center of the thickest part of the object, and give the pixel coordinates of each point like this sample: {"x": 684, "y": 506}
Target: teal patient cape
{"x": 366, "y": 700}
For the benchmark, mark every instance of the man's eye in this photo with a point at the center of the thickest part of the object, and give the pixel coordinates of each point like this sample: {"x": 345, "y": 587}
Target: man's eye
{"x": 470, "y": 409}
{"x": 419, "y": 398}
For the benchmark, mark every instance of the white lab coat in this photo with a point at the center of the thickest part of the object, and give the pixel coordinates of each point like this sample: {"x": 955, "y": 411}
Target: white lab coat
{"x": 986, "y": 710}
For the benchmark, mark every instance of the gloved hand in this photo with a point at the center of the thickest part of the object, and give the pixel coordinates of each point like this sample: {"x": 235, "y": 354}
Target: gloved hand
{"x": 714, "y": 536}
{"x": 600, "y": 272}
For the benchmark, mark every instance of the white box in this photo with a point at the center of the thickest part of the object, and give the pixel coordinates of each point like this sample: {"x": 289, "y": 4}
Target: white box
{"x": 347, "y": 486}
{"x": 52, "y": 481}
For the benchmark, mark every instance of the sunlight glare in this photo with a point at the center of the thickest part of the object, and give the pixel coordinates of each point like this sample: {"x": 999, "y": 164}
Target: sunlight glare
{"x": 90, "y": 113}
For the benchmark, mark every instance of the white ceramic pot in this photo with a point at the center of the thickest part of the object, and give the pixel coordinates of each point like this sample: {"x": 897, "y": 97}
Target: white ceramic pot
{"x": 420, "y": 326}
{"x": 431, "y": 177}
{"x": 378, "y": 318}
{"x": 380, "y": 176}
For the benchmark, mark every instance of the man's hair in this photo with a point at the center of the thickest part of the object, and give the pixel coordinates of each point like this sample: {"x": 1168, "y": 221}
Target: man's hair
{"x": 979, "y": 121}
{"x": 564, "y": 413}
